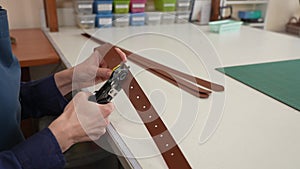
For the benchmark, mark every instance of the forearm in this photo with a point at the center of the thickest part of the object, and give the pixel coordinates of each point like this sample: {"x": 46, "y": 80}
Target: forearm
{"x": 63, "y": 80}
{"x": 40, "y": 98}
{"x": 39, "y": 151}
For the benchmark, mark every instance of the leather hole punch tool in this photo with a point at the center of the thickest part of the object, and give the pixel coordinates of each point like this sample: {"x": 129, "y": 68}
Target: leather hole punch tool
{"x": 112, "y": 86}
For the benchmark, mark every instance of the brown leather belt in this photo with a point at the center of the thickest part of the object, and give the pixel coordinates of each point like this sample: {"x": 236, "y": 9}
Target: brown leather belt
{"x": 163, "y": 139}
{"x": 193, "y": 85}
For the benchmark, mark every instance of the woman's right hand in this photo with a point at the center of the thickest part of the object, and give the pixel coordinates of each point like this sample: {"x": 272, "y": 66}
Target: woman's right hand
{"x": 82, "y": 120}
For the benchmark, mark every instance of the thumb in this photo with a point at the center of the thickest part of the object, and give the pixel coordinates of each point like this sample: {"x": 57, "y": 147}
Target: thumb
{"x": 82, "y": 96}
{"x": 103, "y": 73}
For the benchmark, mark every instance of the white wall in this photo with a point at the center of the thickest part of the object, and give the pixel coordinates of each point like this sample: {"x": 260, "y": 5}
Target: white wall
{"x": 279, "y": 12}
{"x": 23, "y": 13}
{"x": 27, "y": 13}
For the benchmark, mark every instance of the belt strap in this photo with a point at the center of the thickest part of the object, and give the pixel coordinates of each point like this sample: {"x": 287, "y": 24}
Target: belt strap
{"x": 163, "y": 139}
{"x": 155, "y": 65}
{"x": 170, "y": 151}
{"x": 183, "y": 80}
{"x": 174, "y": 80}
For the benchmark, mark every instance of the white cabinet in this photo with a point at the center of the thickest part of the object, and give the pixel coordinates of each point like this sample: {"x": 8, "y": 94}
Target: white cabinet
{"x": 245, "y": 5}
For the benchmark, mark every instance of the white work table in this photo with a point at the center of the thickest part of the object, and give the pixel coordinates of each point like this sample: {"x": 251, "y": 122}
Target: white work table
{"x": 239, "y": 128}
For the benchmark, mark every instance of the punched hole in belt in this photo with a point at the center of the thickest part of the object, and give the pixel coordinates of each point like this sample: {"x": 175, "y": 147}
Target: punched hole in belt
{"x": 137, "y": 97}
{"x": 155, "y": 126}
{"x": 172, "y": 154}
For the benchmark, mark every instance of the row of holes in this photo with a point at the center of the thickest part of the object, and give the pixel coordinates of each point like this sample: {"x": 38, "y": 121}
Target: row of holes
{"x": 144, "y": 107}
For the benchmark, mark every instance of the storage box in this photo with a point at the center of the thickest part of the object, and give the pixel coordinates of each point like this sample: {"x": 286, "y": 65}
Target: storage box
{"x": 224, "y": 26}
{"x": 183, "y": 5}
{"x": 150, "y": 7}
{"x": 83, "y": 6}
{"x": 182, "y": 17}
{"x": 137, "y": 19}
{"x": 168, "y": 17}
{"x": 121, "y": 6}
{"x": 103, "y": 20}
{"x": 165, "y": 5}
{"x": 85, "y": 21}
{"x": 137, "y": 6}
{"x": 249, "y": 14}
{"x": 121, "y": 20}
{"x": 102, "y": 7}
{"x": 153, "y": 18}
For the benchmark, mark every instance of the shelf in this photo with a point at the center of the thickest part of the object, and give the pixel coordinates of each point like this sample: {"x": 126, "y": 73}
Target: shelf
{"x": 255, "y": 24}
{"x": 228, "y": 2}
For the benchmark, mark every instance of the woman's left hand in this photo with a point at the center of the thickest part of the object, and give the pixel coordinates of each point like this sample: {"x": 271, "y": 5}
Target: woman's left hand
{"x": 88, "y": 73}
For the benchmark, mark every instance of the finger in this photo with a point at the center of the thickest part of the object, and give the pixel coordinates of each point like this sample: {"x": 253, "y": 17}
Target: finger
{"x": 101, "y": 52}
{"x": 106, "y": 109}
{"x": 104, "y": 73}
{"x": 83, "y": 95}
{"x": 104, "y": 122}
{"x": 107, "y": 121}
{"x": 103, "y": 49}
{"x": 103, "y": 64}
{"x": 121, "y": 54}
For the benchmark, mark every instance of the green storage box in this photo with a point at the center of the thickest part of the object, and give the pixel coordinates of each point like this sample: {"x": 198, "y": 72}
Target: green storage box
{"x": 224, "y": 26}
{"x": 165, "y": 5}
{"x": 121, "y": 6}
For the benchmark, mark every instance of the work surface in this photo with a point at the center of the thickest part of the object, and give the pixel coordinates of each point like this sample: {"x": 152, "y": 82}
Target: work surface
{"x": 32, "y": 48}
{"x": 234, "y": 129}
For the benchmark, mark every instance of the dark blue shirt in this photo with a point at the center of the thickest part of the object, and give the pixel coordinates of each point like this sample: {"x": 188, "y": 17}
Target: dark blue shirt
{"x": 23, "y": 100}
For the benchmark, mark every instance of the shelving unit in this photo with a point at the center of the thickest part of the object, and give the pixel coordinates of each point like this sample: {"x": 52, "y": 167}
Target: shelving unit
{"x": 238, "y": 5}
{"x": 233, "y": 2}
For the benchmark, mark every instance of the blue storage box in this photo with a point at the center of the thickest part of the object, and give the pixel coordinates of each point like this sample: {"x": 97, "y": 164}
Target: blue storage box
{"x": 137, "y": 19}
{"x": 103, "y": 20}
{"x": 104, "y": 6}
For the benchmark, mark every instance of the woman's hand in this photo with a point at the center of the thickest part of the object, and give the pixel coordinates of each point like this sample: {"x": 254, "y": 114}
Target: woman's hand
{"x": 82, "y": 120}
{"x": 90, "y": 72}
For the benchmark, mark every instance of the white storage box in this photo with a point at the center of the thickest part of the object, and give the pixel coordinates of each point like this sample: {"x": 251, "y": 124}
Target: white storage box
{"x": 121, "y": 20}
{"x": 168, "y": 17}
{"x": 182, "y": 17}
{"x": 153, "y": 18}
{"x": 85, "y": 21}
{"x": 83, "y": 6}
{"x": 183, "y": 5}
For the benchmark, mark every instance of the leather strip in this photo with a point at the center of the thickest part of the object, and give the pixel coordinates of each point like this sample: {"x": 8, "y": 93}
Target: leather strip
{"x": 159, "y": 68}
{"x": 201, "y": 82}
{"x": 184, "y": 85}
{"x": 163, "y": 139}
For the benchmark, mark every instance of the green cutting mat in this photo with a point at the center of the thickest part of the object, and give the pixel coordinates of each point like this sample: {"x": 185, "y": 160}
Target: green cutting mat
{"x": 279, "y": 80}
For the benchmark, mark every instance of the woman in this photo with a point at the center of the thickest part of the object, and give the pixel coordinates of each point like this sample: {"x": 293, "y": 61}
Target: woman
{"x": 45, "y": 97}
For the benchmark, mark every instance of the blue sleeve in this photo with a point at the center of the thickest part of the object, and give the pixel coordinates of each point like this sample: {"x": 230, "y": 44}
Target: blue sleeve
{"x": 39, "y": 151}
{"x": 40, "y": 98}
